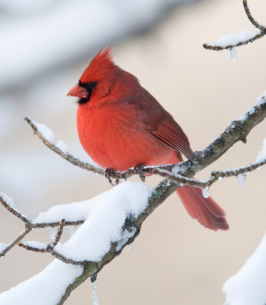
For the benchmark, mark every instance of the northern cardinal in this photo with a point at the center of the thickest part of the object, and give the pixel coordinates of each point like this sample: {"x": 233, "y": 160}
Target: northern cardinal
{"x": 121, "y": 125}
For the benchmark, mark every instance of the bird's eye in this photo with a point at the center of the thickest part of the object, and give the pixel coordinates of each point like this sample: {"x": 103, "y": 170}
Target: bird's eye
{"x": 93, "y": 85}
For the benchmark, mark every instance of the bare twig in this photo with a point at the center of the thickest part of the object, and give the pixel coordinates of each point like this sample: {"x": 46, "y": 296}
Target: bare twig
{"x": 15, "y": 241}
{"x": 15, "y": 212}
{"x": 251, "y": 18}
{"x": 215, "y": 175}
{"x": 49, "y": 247}
{"x": 258, "y": 25}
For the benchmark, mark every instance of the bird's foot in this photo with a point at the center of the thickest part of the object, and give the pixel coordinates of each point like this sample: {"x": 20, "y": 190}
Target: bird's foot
{"x": 109, "y": 174}
{"x": 139, "y": 168}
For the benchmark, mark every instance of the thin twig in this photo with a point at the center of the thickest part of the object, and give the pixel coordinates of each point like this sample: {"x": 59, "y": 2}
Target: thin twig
{"x": 15, "y": 212}
{"x": 213, "y": 47}
{"x": 215, "y": 175}
{"x": 49, "y": 247}
{"x": 15, "y": 241}
{"x": 257, "y": 24}
{"x": 251, "y": 18}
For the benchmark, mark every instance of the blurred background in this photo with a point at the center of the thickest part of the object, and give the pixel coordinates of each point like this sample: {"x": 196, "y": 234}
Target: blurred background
{"x": 45, "y": 47}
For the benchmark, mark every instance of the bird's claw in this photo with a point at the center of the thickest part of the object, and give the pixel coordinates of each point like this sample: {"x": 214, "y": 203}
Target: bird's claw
{"x": 139, "y": 168}
{"x": 109, "y": 174}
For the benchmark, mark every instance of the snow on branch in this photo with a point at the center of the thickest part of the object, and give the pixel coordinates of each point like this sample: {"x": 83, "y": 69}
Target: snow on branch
{"x": 8, "y": 203}
{"x": 233, "y": 41}
{"x": 113, "y": 219}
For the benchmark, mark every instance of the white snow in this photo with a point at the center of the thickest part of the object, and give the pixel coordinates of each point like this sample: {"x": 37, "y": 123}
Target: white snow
{"x": 234, "y": 39}
{"x": 45, "y": 288}
{"x": 105, "y": 214}
{"x": 261, "y": 99}
{"x": 262, "y": 153}
{"x": 245, "y": 114}
{"x": 35, "y": 244}
{"x": 247, "y": 287}
{"x": 8, "y": 200}
{"x": 241, "y": 179}
{"x": 206, "y": 192}
{"x": 233, "y": 53}
{"x": 2, "y": 247}
{"x": 95, "y": 300}
{"x": 46, "y": 132}
{"x": 62, "y": 146}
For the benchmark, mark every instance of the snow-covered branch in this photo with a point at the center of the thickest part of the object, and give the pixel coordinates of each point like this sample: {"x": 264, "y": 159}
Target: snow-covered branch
{"x": 113, "y": 219}
{"x": 8, "y": 203}
{"x": 233, "y": 41}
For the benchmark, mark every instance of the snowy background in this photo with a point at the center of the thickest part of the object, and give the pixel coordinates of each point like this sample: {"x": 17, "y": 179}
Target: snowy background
{"x": 45, "y": 46}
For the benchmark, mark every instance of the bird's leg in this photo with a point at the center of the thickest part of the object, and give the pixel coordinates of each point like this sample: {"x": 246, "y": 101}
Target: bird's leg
{"x": 109, "y": 173}
{"x": 139, "y": 168}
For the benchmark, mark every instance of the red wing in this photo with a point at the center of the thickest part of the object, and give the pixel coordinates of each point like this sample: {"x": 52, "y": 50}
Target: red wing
{"x": 161, "y": 124}
{"x": 165, "y": 129}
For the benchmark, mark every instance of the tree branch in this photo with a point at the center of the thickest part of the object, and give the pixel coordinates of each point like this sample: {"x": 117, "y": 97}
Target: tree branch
{"x": 257, "y": 24}
{"x": 251, "y": 18}
{"x": 15, "y": 241}
{"x": 237, "y": 131}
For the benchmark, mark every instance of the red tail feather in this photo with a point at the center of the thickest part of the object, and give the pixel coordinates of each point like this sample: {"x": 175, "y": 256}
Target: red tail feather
{"x": 205, "y": 210}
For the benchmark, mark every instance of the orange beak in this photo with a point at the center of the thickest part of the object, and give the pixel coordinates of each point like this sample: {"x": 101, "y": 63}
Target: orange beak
{"x": 78, "y": 91}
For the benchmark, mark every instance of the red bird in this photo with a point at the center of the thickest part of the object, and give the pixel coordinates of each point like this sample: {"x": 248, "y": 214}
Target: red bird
{"x": 121, "y": 125}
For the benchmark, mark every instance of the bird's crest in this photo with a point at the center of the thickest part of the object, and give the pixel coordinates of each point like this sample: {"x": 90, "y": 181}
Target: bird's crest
{"x": 100, "y": 63}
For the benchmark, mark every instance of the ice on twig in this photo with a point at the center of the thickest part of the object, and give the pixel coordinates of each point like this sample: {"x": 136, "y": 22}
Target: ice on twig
{"x": 130, "y": 247}
{"x": 262, "y": 153}
{"x": 234, "y": 39}
{"x": 52, "y": 232}
{"x": 71, "y": 230}
{"x": 248, "y": 285}
{"x": 8, "y": 200}
{"x": 46, "y": 132}
{"x": 233, "y": 53}
{"x": 63, "y": 147}
{"x": 241, "y": 179}
{"x": 95, "y": 300}
{"x": 206, "y": 192}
